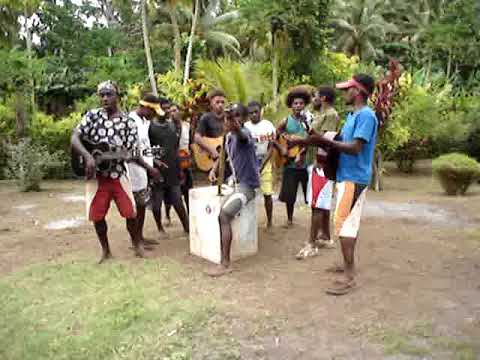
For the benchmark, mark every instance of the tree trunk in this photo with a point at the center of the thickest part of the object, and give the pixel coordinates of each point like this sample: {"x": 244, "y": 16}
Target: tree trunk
{"x": 275, "y": 63}
{"x": 429, "y": 68}
{"x": 146, "y": 43}
{"x": 177, "y": 39}
{"x": 20, "y": 114}
{"x": 449, "y": 63}
{"x": 377, "y": 184}
{"x": 188, "y": 58}
{"x": 26, "y": 108}
{"x": 109, "y": 13}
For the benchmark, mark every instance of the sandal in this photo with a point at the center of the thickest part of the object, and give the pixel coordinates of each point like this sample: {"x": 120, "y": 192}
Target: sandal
{"x": 341, "y": 288}
{"x": 307, "y": 251}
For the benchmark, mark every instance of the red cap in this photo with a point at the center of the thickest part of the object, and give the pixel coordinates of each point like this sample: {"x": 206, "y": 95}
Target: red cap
{"x": 352, "y": 83}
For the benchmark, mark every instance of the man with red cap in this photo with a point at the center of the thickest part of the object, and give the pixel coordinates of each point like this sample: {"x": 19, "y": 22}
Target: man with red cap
{"x": 354, "y": 172}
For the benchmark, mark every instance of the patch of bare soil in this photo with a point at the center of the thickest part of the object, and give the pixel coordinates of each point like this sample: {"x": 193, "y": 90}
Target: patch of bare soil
{"x": 418, "y": 257}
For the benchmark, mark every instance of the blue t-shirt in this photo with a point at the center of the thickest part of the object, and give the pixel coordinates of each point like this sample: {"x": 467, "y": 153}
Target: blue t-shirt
{"x": 243, "y": 159}
{"x": 363, "y": 125}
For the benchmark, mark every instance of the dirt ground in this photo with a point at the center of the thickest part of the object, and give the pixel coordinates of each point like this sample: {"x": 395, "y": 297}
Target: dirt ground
{"x": 419, "y": 263}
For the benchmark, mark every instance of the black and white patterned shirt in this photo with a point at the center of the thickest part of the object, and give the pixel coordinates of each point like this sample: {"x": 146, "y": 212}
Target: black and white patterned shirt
{"x": 118, "y": 132}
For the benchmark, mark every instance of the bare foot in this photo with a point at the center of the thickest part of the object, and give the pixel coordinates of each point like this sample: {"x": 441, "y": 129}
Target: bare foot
{"x": 105, "y": 257}
{"x": 162, "y": 235}
{"x": 150, "y": 242}
{"x": 146, "y": 247}
{"x": 138, "y": 251}
{"x": 288, "y": 225}
{"x": 169, "y": 222}
{"x": 219, "y": 270}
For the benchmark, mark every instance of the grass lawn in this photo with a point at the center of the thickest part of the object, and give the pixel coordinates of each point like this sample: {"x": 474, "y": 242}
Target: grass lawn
{"x": 79, "y": 310}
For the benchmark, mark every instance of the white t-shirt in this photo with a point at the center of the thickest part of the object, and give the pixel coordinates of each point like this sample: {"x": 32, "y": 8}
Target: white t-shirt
{"x": 262, "y": 132}
{"x": 138, "y": 174}
{"x": 184, "y": 136}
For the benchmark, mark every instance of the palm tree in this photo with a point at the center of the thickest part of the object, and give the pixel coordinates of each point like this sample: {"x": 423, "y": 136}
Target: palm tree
{"x": 416, "y": 21}
{"x": 361, "y": 26}
{"x": 146, "y": 43}
{"x": 188, "y": 59}
{"x": 241, "y": 81}
{"x": 209, "y": 27}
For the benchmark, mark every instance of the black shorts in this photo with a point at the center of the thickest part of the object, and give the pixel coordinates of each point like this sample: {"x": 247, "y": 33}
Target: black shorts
{"x": 291, "y": 178}
{"x": 161, "y": 192}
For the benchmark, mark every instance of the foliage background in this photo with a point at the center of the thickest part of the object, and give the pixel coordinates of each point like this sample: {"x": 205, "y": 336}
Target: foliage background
{"x": 54, "y": 53}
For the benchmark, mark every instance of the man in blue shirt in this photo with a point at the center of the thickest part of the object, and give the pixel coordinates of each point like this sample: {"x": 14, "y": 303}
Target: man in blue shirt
{"x": 354, "y": 172}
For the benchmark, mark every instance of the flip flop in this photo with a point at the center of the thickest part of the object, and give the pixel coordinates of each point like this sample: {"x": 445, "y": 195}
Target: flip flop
{"x": 336, "y": 269}
{"x": 307, "y": 251}
{"x": 341, "y": 288}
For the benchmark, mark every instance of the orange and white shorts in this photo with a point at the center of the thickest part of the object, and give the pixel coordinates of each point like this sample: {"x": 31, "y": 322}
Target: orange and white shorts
{"x": 348, "y": 212}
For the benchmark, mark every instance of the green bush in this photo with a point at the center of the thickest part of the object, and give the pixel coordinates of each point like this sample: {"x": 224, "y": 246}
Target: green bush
{"x": 456, "y": 172}
{"x": 28, "y": 163}
{"x": 55, "y": 136}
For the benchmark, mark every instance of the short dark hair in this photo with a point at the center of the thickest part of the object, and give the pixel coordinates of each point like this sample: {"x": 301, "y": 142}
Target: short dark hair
{"x": 214, "y": 93}
{"x": 149, "y": 97}
{"x": 328, "y": 92}
{"x": 255, "y": 104}
{"x": 242, "y": 109}
{"x": 163, "y": 100}
{"x": 298, "y": 94}
{"x": 367, "y": 81}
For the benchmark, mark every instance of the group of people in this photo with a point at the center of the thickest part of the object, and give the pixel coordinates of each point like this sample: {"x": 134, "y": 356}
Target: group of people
{"x": 251, "y": 147}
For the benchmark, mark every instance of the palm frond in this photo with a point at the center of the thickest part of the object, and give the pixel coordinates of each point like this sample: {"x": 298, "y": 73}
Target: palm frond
{"x": 223, "y": 40}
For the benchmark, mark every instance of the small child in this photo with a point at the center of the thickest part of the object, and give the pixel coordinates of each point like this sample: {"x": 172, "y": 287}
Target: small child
{"x": 319, "y": 197}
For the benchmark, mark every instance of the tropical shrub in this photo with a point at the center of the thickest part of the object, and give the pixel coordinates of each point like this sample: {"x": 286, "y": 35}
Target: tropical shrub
{"x": 55, "y": 135}
{"x": 456, "y": 172}
{"x": 28, "y": 163}
{"x": 241, "y": 81}
{"x": 415, "y": 114}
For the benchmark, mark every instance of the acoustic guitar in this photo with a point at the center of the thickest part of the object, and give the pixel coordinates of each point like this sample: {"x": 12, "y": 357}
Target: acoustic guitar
{"x": 289, "y": 153}
{"x": 104, "y": 154}
{"x": 203, "y": 159}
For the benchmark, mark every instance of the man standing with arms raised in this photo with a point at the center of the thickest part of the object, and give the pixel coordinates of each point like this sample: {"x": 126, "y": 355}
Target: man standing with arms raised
{"x": 354, "y": 172}
{"x": 110, "y": 125}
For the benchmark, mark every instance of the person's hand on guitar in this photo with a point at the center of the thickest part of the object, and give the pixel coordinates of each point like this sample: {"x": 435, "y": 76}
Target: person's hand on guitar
{"x": 214, "y": 153}
{"x": 160, "y": 164}
{"x": 154, "y": 173}
{"x": 212, "y": 176}
{"x": 90, "y": 166}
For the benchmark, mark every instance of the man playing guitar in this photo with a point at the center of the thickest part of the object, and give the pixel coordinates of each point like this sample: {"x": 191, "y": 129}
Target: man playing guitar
{"x": 108, "y": 125}
{"x": 211, "y": 126}
{"x": 295, "y": 170}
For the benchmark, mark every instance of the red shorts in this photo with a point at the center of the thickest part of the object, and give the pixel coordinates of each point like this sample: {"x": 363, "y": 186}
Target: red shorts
{"x": 108, "y": 189}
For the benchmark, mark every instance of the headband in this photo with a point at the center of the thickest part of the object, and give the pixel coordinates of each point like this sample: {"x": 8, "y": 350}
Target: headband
{"x": 156, "y": 107}
{"x": 108, "y": 85}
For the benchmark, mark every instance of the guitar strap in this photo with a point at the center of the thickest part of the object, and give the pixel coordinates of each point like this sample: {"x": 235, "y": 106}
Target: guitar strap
{"x": 221, "y": 168}
{"x": 230, "y": 157}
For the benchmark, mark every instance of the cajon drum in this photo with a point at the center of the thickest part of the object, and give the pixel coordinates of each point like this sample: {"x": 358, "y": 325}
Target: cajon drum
{"x": 205, "y": 207}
